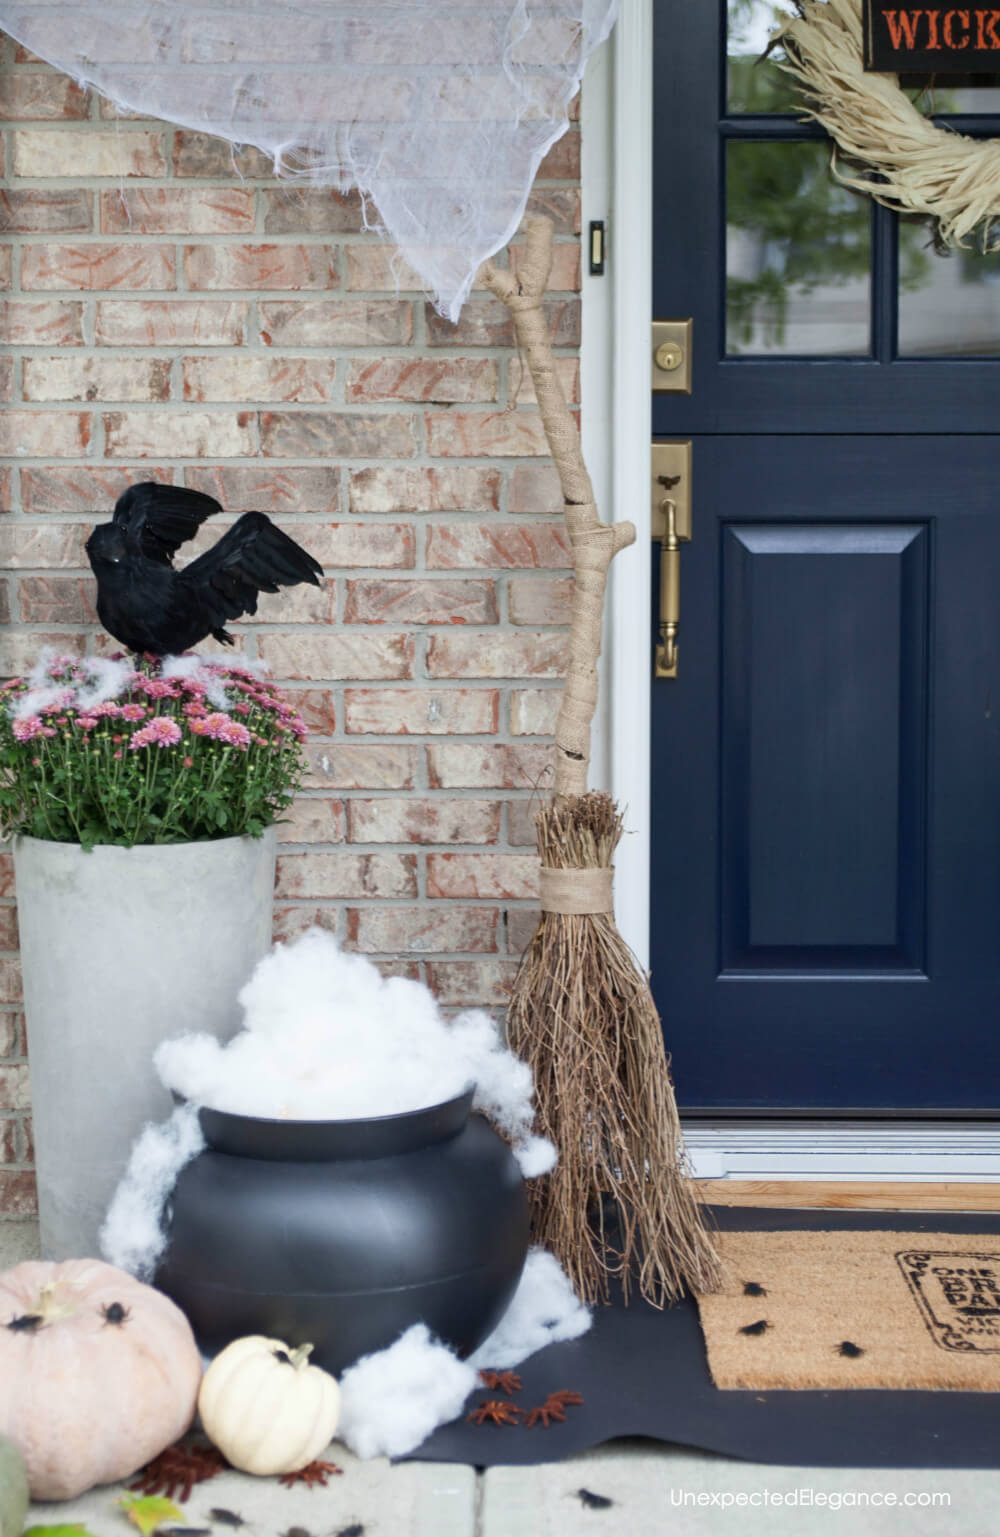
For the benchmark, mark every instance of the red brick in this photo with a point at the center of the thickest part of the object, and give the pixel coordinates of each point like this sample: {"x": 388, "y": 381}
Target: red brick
{"x": 203, "y": 154}
{"x": 6, "y": 264}
{"x": 6, "y": 378}
{"x": 421, "y": 930}
{"x": 96, "y": 378}
{"x": 377, "y": 268}
{"x": 491, "y": 434}
{"x": 411, "y": 819}
{"x": 465, "y": 546}
{"x": 27, "y": 1140}
{"x": 560, "y": 204}
{"x": 32, "y": 547}
{"x": 312, "y": 819}
{"x": 523, "y": 655}
{"x": 471, "y": 982}
{"x": 372, "y": 600}
{"x": 522, "y": 387}
{"x": 30, "y": 212}
{"x": 177, "y": 211}
{"x": 377, "y": 767}
{"x": 57, "y": 600}
{"x": 304, "y": 604}
{"x": 19, "y": 648}
{"x": 41, "y": 323}
{"x": 8, "y": 936}
{"x": 540, "y": 599}
{"x": 521, "y": 828}
{"x": 260, "y": 266}
{"x": 333, "y": 434}
{"x": 258, "y": 379}
{"x": 98, "y": 266}
{"x": 533, "y": 711}
{"x": 41, "y": 98}
{"x": 317, "y": 706}
{"x": 397, "y": 712}
{"x": 268, "y": 488}
{"x": 10, "y": 1030}
{"x": 406, "y": 488}
{"x": 182, "y": 435}
{"x": 355, "y": 654}
{"x": 335, "y": 323}
{"x": 171, "y": 323}
{"x": 535, "y": 488}
{"x": 76, "y": 489}
{"x": 439, "y": 380}
{"x": 6, "y": 872}
{"x": 290, "y": 922}
{"x": 15, "y": 1091}
{"x": 562, "y": 162}
{"x": 312, "y": 211}
{"x": 9, "y": 1141}
{"x": 45, "y": 434}
{"x": 347, "y": 875}
{"x": 520, "y": 924}
{"x": 504, "y": 876}
{"x": 390, "y": 545}
{"x": 486, "y": 322}
{"x": 80, "y": 152}
{"x": 18, "y": 1196}
{"x": 489, "y": 765}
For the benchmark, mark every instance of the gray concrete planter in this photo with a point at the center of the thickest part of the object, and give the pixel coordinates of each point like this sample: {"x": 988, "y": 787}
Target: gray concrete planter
{"x": 121, "y": 948}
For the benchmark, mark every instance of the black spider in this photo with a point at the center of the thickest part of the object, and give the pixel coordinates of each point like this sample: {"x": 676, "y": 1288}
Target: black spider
{"x": 115, "y": 1313}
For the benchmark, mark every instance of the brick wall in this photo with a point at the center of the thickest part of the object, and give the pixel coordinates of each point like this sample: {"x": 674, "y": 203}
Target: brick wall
{"x": 178, "y": 315}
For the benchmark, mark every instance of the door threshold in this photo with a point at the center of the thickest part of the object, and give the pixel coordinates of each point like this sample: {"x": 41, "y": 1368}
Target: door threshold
{"x": 858, "y": 1195}
{"x": 735, "y": 1155}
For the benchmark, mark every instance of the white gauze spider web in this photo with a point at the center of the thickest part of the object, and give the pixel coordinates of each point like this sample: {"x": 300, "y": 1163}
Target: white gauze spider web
{"x": 438, "y": 111}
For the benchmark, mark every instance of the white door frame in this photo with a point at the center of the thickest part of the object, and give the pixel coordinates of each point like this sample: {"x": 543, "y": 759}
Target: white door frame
{"x": 617, "y": 186}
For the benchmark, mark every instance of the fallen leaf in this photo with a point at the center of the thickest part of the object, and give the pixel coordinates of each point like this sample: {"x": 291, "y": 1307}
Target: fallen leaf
{"x": 58, "y": 1531}
{"x": 148, "y": 1511}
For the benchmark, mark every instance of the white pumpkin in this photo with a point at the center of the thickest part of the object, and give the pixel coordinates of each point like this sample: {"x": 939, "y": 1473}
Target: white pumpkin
{"x": 98, "y": 1373}
{"x": 266, "y": 1408}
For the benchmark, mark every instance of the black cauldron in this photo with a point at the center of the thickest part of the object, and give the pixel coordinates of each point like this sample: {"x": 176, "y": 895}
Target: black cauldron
{"x": 344, "y": 1233}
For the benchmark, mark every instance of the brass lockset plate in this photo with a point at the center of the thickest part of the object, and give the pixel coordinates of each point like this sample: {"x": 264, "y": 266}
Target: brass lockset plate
{"x": 671, "y": 362}
{"x": 671, "y": 460}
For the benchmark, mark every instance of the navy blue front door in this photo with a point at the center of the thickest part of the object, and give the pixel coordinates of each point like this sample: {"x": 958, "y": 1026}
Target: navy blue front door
{"x": 826, "y": 766}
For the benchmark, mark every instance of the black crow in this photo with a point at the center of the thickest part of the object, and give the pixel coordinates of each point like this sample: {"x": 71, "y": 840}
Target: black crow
{"x": 148, "y": 606}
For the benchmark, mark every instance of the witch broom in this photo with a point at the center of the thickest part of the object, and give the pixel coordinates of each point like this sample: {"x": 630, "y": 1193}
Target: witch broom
{"x": 619, "y": 1203}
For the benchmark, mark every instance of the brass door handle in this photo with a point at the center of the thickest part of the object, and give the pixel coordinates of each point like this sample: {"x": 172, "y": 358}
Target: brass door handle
{"x": 665, "y": 664}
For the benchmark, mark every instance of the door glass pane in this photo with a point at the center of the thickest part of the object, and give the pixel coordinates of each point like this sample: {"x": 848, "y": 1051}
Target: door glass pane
{"x": 949, "y": 302}
{"x": 798, "y": 254}
{"x": 938, "y": 95}
{"x": 755, "y": 84}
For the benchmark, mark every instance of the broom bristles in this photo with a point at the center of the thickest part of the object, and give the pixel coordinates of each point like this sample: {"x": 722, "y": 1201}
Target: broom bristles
{"x": 582, "y": 1015}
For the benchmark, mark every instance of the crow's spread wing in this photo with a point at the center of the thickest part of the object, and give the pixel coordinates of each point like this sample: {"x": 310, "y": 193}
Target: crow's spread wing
{"x": 160, "y": 518}
{"x": 251, "y": 557}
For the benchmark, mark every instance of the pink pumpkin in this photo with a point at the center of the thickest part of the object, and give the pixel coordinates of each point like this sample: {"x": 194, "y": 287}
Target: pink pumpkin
{"x": 98, "y": 1373}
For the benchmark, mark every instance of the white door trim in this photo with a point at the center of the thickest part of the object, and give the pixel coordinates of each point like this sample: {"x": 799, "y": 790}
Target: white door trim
{"x": 617, "y": 186}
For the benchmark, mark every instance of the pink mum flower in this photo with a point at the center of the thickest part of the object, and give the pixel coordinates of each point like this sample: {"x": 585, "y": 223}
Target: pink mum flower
{"x": 160, "y": 733}
{"x": 194, "y": 710}
{"x": 133, "y": 712}
{"x": 87, "y": 722}
{"x": 158, "y": 688}
{"x": 234, "y": 735}
{"x": 216, "y": 723}
{"x": 26, "y": 730}
{"x": 189, "y": 763}
{"x": 107, "y": 709}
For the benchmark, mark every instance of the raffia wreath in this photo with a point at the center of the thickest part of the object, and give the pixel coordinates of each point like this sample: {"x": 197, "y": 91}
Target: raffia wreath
{"x": 907, "y": 162}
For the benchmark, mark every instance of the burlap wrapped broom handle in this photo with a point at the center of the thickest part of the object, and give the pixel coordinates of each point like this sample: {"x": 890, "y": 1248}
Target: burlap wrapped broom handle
{"x": 594, "y": 544}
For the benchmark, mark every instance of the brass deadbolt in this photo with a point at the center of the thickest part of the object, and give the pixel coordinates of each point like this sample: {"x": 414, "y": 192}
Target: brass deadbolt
{"x": 668, "y": 356}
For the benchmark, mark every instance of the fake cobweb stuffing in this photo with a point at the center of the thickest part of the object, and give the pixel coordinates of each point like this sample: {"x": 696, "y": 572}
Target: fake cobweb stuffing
{"x": 438, "y": 111}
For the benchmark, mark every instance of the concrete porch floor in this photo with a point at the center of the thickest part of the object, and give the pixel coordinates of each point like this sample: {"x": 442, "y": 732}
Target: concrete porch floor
{"x": 655, "y": 1489}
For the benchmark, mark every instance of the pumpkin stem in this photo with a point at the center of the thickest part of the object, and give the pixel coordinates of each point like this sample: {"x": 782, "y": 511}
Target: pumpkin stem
{"x": 300, "y": 1357}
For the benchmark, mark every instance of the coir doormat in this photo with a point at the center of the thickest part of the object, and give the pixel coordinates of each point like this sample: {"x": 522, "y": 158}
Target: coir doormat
{"x": 641, "y": 1372}
{"x": 856, "y": 1310}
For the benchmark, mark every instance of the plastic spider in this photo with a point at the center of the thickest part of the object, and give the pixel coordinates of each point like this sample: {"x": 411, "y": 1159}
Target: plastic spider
{"x": 502, "y": 1382}
{"x": 496, "y": 1412}
{"x": 313, "y": 1475}
{"x": 553, "y": 1408}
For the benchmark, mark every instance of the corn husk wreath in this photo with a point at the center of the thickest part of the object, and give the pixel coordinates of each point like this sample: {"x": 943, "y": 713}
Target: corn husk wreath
{"x": 619, "y": 1203}
{"x": 908, "y": 163}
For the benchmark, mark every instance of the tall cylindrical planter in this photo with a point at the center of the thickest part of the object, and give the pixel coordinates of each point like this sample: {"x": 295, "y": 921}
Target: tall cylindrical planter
{"x": 121, "y": 948}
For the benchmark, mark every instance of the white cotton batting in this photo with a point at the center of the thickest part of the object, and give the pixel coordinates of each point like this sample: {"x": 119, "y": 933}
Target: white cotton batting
{"x": 327, "y": 1037}
{"x": 545, "y": 1310}
{"x": 201, "y": 669}
{"x": 132, "y": 1236}
{"x": 107, "y": 678}
{"x": 392, "y": 1400}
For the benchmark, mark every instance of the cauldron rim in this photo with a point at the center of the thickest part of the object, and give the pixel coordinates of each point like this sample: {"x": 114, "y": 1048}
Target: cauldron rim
{"x": 375, "y": 1136}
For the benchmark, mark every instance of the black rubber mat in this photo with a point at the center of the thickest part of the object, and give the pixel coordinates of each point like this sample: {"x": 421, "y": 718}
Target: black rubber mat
{"x": 644, "y": 1373}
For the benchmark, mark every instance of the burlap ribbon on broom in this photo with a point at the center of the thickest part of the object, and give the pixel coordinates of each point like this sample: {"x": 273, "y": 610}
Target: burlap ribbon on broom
{"x": 577, "y": 891}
